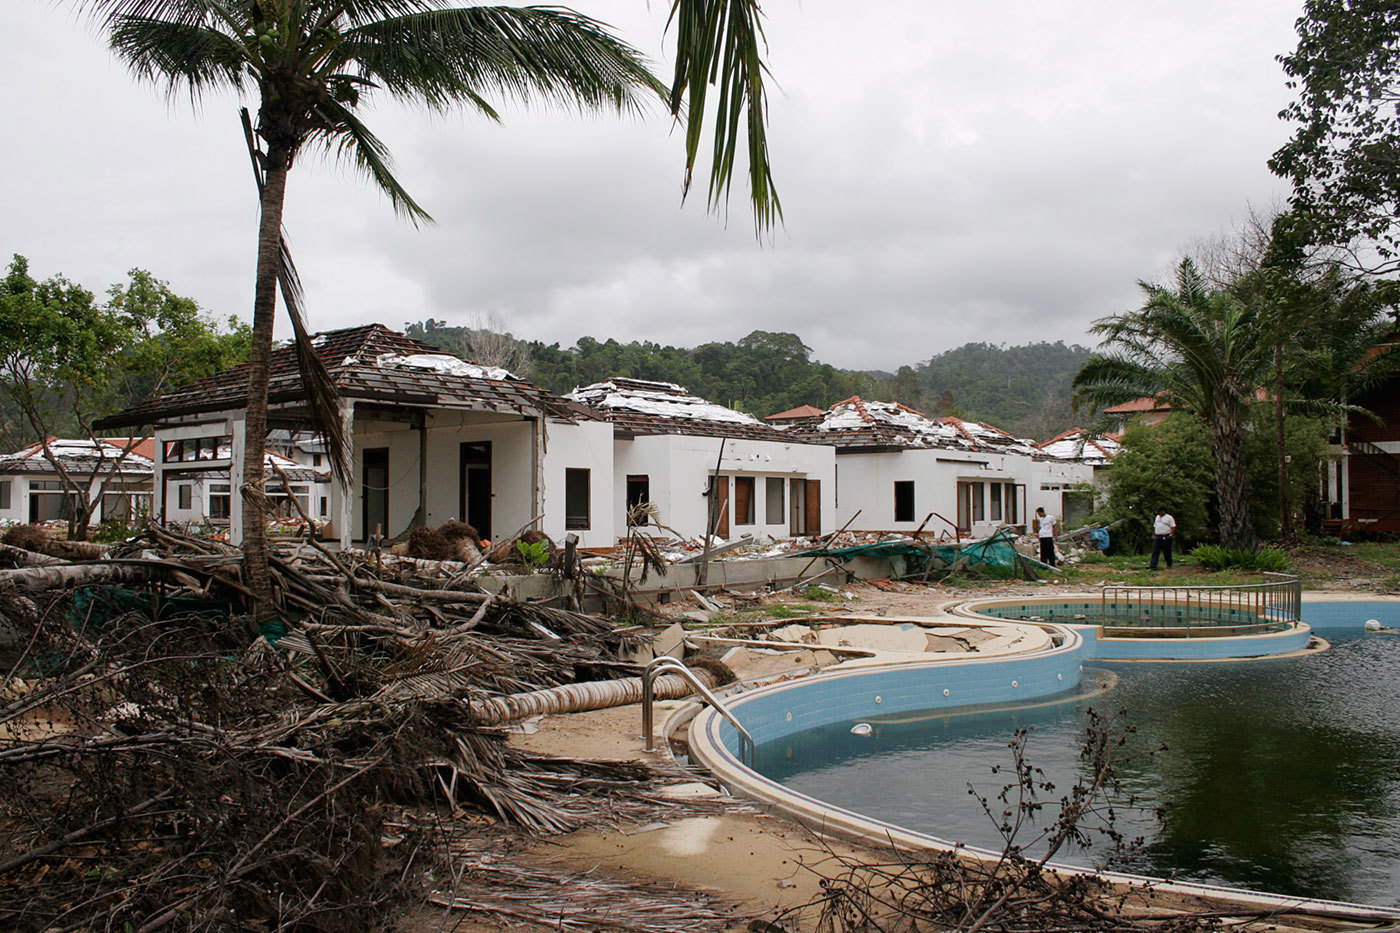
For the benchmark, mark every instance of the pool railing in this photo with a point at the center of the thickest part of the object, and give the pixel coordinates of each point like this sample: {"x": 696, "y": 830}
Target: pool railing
{"x": 1274, "y": 603}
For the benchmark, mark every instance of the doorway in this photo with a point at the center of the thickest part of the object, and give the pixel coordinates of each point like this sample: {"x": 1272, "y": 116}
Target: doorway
{"x": 374, "y": 492}
{"x": 474, "y": 502}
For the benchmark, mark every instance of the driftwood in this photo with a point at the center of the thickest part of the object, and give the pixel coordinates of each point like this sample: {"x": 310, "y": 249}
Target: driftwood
{"x": 573, "y": 698}
{"x": 713, "y": 552}
{"x": 62, "y": 575}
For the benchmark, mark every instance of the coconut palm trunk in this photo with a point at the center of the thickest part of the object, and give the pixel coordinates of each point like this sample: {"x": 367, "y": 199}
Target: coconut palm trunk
{"x": 255, "y": 568}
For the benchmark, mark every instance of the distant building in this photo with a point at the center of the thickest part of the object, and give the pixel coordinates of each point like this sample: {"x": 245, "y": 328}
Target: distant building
{"x": 1361, "y": 479}
{"x": 668, "y": 444}
{"x": 899, "y": 470}
{"x": 116, "y": 471}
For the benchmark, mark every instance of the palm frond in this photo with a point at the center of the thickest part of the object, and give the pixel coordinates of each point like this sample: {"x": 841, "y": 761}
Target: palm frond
{"x": 178, "y": 54}
{"x": 451, "y": 56}
{"x": 346, "y": 135}
{"x": 721, "y": 42}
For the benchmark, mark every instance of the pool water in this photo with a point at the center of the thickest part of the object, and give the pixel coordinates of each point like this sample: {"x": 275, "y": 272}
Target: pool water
{"x": 1277, "y": 775}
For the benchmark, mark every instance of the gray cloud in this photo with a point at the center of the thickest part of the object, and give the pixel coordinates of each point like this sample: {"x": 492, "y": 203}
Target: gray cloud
{"x": 949, "y": 172}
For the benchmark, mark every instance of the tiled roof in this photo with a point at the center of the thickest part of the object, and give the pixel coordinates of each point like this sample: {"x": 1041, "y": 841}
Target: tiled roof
{"x": 369, "y": 363}
{"x": 640, "y": 407}
{"x": 1146, "y": 403}
{"x": 798, "y": 413}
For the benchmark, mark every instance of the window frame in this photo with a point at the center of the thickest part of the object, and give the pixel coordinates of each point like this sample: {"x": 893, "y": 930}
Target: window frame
{"x": 574, "y": 519}
{"x": 904, "y": 501}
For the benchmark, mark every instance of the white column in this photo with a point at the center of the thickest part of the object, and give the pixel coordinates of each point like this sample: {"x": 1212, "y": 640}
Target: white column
{"x": 158, "y": 483}
{"x": 342, "y": 496}
{"x": 239, "y": 437}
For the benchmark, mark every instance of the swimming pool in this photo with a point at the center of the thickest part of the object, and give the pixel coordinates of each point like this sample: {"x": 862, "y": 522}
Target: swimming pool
{"x": 1281, "y": 775}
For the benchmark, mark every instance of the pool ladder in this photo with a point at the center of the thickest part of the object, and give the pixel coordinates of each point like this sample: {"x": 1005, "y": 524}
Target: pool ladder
{"x": 674, "y": 666}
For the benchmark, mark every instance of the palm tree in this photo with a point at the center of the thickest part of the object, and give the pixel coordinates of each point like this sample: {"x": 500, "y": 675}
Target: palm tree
{"x": 312, "y": 62}
{"x": 1204, "y": 351}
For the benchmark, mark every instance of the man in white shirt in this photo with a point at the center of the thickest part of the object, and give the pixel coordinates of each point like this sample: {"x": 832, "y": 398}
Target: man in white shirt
{"x": 1045, "y": 530}
{"x": 1163, "y": 530}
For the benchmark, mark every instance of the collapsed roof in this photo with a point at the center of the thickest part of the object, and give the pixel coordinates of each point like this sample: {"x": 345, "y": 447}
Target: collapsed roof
{"x": 368, "y": 363}
{"x": 1098, "y": 449}
{"x": 640, "y": 407}
{"x": 857, "y": 424}
{"x": 129, "y": 456}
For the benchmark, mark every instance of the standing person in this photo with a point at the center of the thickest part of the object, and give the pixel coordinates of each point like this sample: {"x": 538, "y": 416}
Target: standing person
{"x": 1163, "y": 530}
{"x": 1045, "y": 530}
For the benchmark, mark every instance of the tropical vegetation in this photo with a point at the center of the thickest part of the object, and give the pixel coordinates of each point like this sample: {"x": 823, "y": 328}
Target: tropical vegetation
{"x": 67, "y": 358}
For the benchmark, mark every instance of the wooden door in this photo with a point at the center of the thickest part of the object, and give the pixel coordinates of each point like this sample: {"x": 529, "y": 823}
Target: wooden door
{"x": 719, "y": 499}
{"x": 813, "y": 510}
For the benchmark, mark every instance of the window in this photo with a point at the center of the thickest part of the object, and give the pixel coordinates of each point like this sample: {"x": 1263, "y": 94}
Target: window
{"x": 744, "y": 504}
{"x": 220, "y": 501}
{"x": 197, "y": 448}
{"x": 995, "y": 501}
{"x": 184, "y": 496}
{"x": 904, "y": 500}
{"x": 576, "y": 515}
{"x": 979, "y": 505}
{"x": 315, "y": 460}
{"x": 325, "y": 507}
{"x": 4, "y": 494}
{"x": 638, "y": 493}
{"x": 774, "y": 509}
{"x": 1012, "y": 513}
{"x": 47, "y": 501}
{"x": 116, "y": 506}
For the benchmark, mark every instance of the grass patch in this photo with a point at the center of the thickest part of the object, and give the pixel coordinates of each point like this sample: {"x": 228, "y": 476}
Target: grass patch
{"x": 789, "y": 611}
{"x": 818, "y": 594}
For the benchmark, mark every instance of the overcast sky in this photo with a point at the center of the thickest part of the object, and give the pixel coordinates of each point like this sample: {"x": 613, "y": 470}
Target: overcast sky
{"x": 949, "y": 172}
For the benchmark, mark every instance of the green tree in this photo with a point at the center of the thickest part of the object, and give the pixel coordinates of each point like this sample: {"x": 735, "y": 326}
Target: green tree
{"x": 1342, "y": 158}
{"x": 314, "y": 62}
{"x": 175, "y": 342}
{"x": 1206, "y": 352}
{"x": 1167, "y": 464}
{"x": 65, "y": 359}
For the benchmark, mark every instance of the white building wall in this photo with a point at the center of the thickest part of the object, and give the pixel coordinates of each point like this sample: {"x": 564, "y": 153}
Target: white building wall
{"x": 1051, "y": 479}
{"x": 587, "y": 445}
{"x": 867, "y": 485}
{"x": 512, "y": 468}
{"x": 18, "y": 511}
{"x": 679, "y": 468}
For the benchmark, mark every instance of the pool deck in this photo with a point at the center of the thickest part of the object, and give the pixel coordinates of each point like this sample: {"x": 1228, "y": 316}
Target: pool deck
{"x": 764, "y": 863}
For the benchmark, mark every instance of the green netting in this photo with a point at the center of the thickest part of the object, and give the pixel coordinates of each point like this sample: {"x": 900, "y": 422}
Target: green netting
{"x": 998, "y": 550}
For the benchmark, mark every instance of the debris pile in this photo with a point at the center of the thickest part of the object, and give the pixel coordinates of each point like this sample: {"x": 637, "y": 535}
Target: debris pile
{"x": 168, "y": 763}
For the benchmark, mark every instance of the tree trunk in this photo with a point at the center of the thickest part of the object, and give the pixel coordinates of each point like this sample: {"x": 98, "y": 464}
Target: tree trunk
{"x": 255, "y": 569}
{"x": 56, "y": 576}
{"x": 1236, "y": 524}
{"x": 1285, "y": 506}
{"x": 575, "y": 698}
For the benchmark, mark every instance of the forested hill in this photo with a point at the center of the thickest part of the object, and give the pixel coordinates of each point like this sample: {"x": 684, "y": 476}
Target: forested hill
{"x": 1022, "y": 389}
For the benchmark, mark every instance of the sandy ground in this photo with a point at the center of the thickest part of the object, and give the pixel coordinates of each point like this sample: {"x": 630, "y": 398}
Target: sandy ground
{"x": 758, "y": 863}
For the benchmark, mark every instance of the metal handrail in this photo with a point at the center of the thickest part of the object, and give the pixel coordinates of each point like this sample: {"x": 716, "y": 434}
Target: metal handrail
{"x": 1278, "y": 599}
{"x": 671, "y": 664}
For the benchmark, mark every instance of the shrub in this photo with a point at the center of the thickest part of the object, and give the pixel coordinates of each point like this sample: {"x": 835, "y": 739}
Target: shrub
{"x": 1215, "y": 557}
